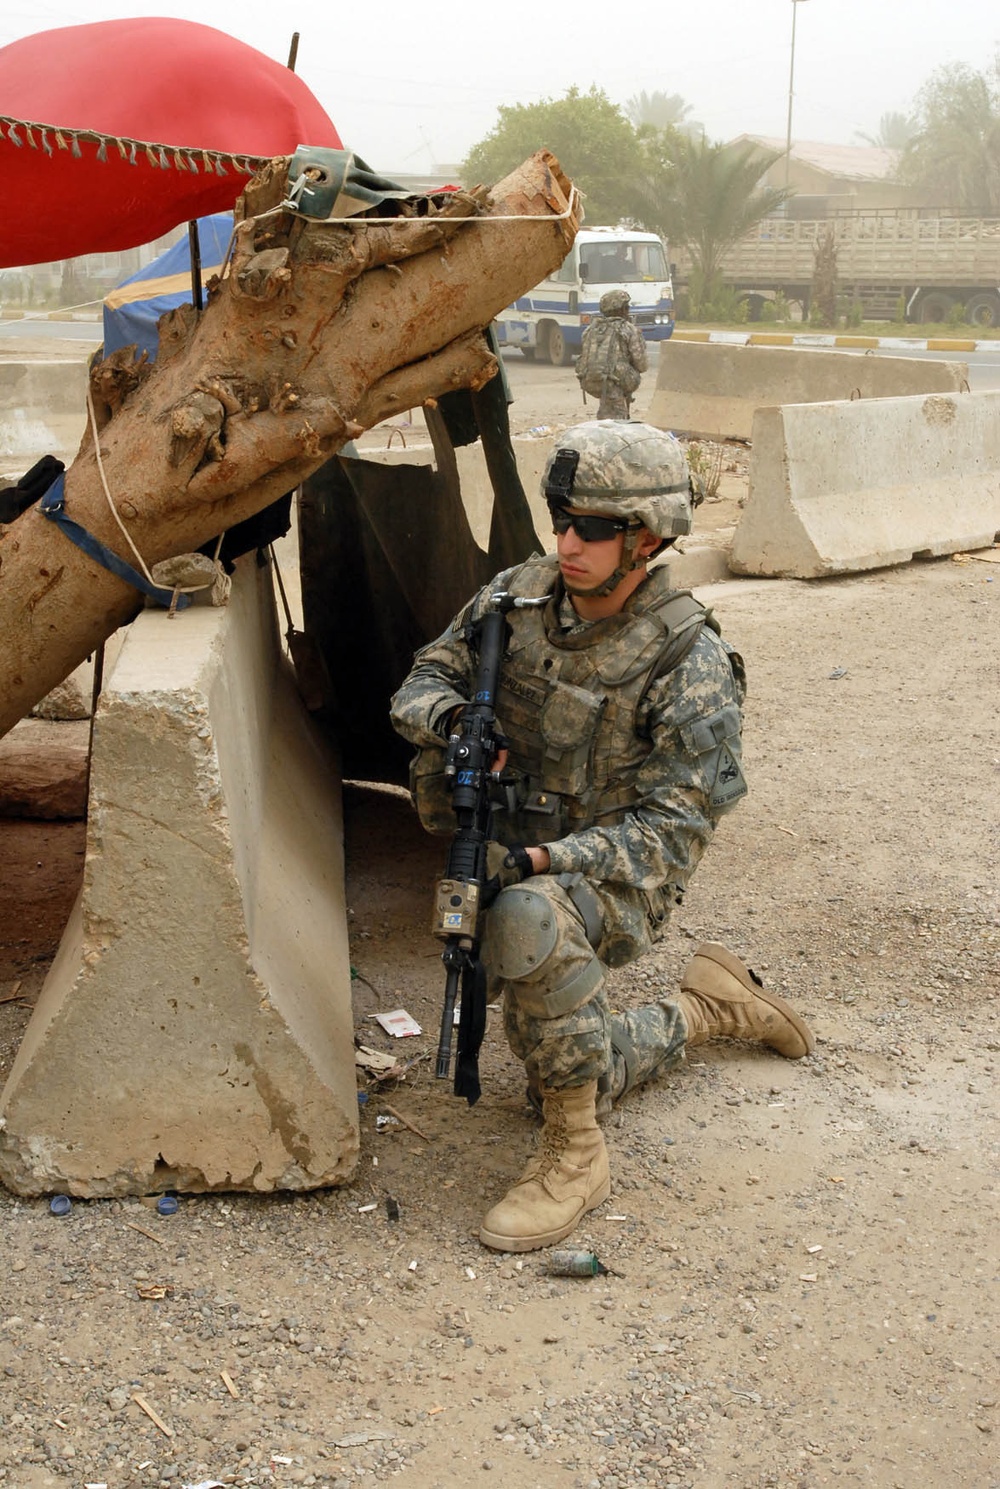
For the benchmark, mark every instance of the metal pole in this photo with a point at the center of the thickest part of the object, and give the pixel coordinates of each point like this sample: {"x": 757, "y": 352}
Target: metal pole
{"x": 194, "y": 251}
{"x": 293, "y": 51}
{"x": 791, "y": 84}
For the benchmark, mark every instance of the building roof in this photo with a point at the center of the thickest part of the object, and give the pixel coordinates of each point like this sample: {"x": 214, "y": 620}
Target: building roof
{"x": 848, "y": 162}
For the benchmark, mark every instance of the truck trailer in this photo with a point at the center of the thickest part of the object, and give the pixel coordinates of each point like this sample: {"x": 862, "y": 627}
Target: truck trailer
{"x": 925, "y": 262}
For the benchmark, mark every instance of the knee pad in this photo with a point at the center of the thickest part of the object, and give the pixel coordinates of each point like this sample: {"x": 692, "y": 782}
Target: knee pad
{"x": 523, "y": 933}
{"x": 542, "y": 954}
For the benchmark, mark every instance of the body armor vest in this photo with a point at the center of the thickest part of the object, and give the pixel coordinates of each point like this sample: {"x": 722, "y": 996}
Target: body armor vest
{"x": 568, "y": 702}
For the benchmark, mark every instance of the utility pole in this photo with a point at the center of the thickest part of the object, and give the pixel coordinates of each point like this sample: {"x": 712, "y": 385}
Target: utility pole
{"x": 791, "y": 94}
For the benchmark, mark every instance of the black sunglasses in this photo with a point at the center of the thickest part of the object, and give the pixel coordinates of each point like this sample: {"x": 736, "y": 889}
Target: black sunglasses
{"x": 588, "y": 527}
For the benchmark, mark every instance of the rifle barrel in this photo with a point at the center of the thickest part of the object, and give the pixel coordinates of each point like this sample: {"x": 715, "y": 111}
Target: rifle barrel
{"x": 447, "y": 1025}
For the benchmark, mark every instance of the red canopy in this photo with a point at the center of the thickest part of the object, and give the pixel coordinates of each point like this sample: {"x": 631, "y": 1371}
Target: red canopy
{"x": 113, "y": 133}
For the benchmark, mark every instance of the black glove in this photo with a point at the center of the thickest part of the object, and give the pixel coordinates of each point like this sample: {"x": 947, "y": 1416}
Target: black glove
{"x": 516, "y": 866}
{"x": 518, "y": 862}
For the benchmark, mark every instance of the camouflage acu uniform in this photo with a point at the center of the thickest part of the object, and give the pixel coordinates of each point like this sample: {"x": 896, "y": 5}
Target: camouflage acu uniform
{"x": 628, "y": 361}
{"x": 621, "y": 761}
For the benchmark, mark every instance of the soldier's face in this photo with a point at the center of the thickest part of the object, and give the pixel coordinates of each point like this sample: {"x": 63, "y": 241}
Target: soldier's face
{"x": 585, "y": 565}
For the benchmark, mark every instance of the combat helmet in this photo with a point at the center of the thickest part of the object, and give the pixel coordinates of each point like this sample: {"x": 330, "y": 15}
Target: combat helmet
{"x": 615, "y": 302}
{"x": 616, "y": 468}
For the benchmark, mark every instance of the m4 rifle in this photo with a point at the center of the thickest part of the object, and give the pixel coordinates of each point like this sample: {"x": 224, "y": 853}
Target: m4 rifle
{"x": 470, "y": 773}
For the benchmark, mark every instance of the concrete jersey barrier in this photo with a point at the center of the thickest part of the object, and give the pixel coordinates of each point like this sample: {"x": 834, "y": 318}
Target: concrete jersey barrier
{"x": 195, "y": 1029}
{"x": 43, "y": 411}
{"x": 713, "y": 390}
{"x": 840, "y": 487}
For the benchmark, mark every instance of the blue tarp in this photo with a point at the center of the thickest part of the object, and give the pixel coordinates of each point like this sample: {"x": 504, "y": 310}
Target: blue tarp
{"x": 133, "y": 308}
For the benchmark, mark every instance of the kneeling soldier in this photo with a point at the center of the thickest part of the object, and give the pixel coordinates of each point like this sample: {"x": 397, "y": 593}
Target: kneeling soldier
{"x": 621, "y": 706}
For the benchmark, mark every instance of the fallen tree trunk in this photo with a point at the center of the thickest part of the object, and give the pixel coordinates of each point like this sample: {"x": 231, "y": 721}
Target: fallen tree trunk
{"x": 319, "y": 331}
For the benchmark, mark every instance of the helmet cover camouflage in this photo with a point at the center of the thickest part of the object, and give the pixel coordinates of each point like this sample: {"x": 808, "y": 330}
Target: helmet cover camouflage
{"x": 615, "y": 302}
{"x": 625, "y": 469}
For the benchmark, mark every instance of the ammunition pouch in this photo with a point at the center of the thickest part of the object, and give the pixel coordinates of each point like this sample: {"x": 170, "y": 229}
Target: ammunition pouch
{"x": 430, "y": 793}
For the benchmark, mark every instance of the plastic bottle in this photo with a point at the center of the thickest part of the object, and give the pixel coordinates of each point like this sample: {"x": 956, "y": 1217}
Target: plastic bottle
{"x": 575, "y": 1264}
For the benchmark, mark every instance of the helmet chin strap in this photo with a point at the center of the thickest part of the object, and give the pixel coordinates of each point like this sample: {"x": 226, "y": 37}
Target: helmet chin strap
{"x": 628, "y": 563}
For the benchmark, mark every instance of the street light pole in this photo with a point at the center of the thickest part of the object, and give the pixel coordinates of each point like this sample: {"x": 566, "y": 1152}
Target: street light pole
{"x": 791, "y": 91}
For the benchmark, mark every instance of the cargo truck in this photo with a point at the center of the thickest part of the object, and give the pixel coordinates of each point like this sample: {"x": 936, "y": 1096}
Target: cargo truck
{"x": 924, "y": 261}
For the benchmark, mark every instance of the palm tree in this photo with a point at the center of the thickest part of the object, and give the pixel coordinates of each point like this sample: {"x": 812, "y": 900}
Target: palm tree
{"x": 708, "y": 196}
{"x": 659, "y": 110}
{"x": 895, "y": 131}
{"x": 954, "y": 158}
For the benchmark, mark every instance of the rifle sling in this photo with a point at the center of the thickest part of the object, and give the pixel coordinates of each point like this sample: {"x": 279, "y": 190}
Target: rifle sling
{"x": 471, "y": 1029}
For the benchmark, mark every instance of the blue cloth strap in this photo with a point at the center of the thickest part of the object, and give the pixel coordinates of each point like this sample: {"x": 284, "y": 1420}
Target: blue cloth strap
{"x": 54, "y": 507}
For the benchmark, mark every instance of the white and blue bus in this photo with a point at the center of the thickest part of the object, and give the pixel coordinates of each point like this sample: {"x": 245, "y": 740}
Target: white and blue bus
{"x": 549, "y": 320}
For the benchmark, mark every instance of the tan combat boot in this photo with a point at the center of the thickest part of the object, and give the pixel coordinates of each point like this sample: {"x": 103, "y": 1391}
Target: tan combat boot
{"x": 721, "y": 998}
{"x": 567, "y": 1176}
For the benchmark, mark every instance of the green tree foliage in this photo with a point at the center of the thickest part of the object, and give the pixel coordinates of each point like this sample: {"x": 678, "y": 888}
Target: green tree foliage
{"x": 895, "y": 131}
{"x": 702, "y": 196}
{"x": 594, "y": 141}
{"x": 954, "y": 158}
{"x": 706, "y": 197}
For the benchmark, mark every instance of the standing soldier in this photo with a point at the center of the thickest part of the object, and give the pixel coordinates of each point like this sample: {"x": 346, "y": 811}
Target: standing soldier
{"x": 612, "y": 357}
{"x": 621, "y": 709}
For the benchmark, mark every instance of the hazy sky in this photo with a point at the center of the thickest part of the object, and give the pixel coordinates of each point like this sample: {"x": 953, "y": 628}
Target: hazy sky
{"x": 411, "y": 85}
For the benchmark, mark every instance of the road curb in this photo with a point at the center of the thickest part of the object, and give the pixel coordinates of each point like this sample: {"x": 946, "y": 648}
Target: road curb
{"x": 49, "y": 315}
{"x": 809, "y": 338}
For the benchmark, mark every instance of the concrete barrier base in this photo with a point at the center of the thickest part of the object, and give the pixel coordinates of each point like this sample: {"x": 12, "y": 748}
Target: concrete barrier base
{"x": 195, "y": 1030}
{"x": 840, "y": 487}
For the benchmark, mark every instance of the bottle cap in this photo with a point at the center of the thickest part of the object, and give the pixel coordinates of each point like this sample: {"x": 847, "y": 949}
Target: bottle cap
{"x": 60, "y": 1204}
{"x": 167, "y": 1204}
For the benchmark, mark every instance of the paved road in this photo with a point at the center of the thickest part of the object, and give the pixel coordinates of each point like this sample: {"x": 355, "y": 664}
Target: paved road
{"x": 533, "y": 382}
{"x": 62, "y": 330}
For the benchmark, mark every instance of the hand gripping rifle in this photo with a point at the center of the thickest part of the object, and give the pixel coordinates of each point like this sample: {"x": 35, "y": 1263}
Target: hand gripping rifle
{"x": 458, "y": 908}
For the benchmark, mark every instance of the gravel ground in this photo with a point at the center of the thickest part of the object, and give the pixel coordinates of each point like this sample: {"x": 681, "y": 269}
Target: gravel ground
{"x": 803, "y": 1265}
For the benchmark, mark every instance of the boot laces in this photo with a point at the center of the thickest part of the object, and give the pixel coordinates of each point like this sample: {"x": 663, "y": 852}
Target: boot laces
{"x": 552, "y": 1143}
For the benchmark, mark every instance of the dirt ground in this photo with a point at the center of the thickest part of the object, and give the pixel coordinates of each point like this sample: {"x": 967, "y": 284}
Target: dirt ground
{"x": 803, "y": 1260}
